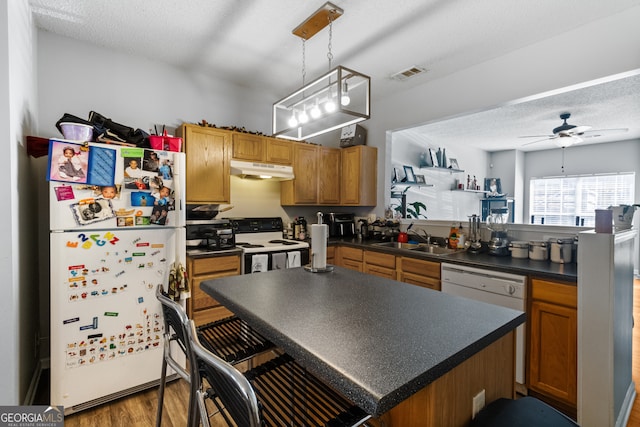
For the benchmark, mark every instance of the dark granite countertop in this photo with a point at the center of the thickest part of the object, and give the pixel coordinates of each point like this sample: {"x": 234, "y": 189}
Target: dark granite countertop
{"x": 547, "y": 269}
{"x": 376, "y": 340}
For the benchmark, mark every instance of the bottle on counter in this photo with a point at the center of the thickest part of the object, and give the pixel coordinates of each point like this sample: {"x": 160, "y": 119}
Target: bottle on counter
{"x": 461, "y": 237}
{"x": 453, "y": 237}
{"x": 302, "y": 233}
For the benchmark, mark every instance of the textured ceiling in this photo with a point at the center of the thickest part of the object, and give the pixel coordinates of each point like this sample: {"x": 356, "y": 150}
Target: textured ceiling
{"x": 249, "y": 42}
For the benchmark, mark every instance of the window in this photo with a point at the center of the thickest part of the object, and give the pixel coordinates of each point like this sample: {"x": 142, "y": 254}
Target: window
{"x": 572, "y": 200}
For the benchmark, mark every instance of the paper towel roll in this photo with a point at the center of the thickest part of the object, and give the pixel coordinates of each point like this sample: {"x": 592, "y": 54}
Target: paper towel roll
{"x": 319, "y": 234}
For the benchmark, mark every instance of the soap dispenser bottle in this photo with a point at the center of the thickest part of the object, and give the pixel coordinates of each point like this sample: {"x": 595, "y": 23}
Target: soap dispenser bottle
{"x": 453, "y": 237}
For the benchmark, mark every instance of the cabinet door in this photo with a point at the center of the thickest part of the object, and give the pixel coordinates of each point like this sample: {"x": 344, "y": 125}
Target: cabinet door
{"x": 248, "y": 147}
{"x": 279, "y": 151}
{"x": 359, "y": 175}
{"x": 553, "y": 341}
{"x": 207, "y": 164}
{"x": 553, "y": 351}
{"x": 329, "y": 176}
{"x": 303, "y": 189}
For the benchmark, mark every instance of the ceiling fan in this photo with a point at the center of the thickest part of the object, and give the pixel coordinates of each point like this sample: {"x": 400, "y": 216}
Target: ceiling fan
{"x": 566, "y": 134}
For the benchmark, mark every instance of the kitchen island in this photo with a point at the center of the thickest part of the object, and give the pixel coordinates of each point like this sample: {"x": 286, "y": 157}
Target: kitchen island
{"x": 407, "y": 355}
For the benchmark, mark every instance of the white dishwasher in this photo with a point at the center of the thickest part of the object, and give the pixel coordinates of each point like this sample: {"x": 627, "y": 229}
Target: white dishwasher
{"x": 503, "y": 289}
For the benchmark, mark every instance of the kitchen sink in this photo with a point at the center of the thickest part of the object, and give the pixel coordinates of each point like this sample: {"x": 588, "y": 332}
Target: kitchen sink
{"x": 397, "y": 245}
{"x": 419, "y": 247}
{"x": 435, "y": 250}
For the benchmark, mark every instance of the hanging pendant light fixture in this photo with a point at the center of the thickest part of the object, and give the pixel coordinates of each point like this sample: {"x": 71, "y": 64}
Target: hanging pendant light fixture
{"x": 339, "y": 98}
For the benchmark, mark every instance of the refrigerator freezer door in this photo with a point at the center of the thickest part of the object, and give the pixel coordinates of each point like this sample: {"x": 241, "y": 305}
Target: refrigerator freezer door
{"x": 151, "y": 197}
{"x": 106, "y": 324}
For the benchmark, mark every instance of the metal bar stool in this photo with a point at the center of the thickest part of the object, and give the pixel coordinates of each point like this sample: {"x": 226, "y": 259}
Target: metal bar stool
{"x": 231, "y": 339}
{"x": 278, "y": 392}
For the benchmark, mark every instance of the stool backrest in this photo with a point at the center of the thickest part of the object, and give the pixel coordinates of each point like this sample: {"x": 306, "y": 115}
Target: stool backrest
{"x": 176, "y": 328}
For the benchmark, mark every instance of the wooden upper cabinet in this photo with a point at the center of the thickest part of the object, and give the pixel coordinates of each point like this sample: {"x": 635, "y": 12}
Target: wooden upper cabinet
{"x": 255, "y": 148}
{"x": 248, "y": 147}
{"x": 207, "y": 153}
{"x": 359, "y": 176}
{"x": 279, "y": 151}
{"x": 329, "y": 176}
{"x": 303, "y": 190}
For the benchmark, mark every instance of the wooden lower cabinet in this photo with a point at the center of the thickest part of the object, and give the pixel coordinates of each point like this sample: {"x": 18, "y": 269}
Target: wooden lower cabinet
{"x": 331, "y": 255}
{"x": 419, "y": 272}
{"x": 201, "y": 307}
{"x": 380, "y": 264}
{"x": 553, "y": 343}
{"x": 348, "y": 257}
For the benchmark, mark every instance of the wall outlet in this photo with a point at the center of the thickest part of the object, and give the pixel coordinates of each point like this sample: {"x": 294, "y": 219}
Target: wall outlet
{"x": 478, "y": 403}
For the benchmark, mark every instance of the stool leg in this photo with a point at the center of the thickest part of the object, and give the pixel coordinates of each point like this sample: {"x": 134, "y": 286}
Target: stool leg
{"x": 163, "y": 379}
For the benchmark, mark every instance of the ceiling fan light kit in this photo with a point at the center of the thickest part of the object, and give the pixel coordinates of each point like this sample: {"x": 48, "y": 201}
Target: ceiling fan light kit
{"x": 339, "y": 98}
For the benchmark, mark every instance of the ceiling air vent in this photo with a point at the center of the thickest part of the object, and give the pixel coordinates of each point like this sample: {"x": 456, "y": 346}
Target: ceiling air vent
{"x": 408, "y": 73}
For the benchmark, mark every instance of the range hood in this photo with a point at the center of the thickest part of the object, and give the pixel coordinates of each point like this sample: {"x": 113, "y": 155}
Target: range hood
{"x": 261, "y": 170}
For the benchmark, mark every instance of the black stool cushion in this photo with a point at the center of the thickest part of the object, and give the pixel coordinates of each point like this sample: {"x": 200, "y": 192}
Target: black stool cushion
{"x": 524, "y": 412}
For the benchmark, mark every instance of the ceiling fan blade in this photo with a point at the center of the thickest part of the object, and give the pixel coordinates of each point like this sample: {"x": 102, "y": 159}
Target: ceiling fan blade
{"x": 540, "y": 140}
{"x": 600, "y": 132}
{"x": 537, "y": 136}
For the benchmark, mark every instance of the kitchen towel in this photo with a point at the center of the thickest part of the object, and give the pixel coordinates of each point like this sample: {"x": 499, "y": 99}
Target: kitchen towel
{"x": 293, "y": 259}
{"x": 279, "y": 261}
{"x": 319, "y": 234}
{"x": 259, "y": 263}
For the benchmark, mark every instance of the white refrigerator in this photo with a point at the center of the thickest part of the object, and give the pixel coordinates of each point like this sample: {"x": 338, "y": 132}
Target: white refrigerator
{"x": 116, "y": 230}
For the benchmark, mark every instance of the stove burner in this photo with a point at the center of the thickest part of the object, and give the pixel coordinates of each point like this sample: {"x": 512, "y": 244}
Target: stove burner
{"x": 283, "y": 242}
{"x": 248, "y": 245}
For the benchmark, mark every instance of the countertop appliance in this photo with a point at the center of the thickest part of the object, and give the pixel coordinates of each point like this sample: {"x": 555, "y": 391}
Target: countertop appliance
{"x": 263, "y": 246}
{"x": 113, "y": 240}
{"x": 209, "y": 236}
{"x": 503, "y": 289}
{"x": 340, "y": 224}
{"x": 497, "y": 223}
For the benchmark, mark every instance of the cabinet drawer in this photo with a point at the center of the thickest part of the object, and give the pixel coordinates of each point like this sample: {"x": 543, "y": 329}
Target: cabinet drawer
{"x": 351, "y": 253}
{"x": 215, "y": 265}
{"x": 381, "y": 259}
{"x": 420, "y": 267}
{"x": 377, "y": 270}
{"x": 554, "y": 292}
{"x": 351, "y": 264}
{"x": 416, "y": 279}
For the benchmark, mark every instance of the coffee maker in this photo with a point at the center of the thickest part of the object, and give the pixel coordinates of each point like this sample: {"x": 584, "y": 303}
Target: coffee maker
{"x": 497, "y": 223}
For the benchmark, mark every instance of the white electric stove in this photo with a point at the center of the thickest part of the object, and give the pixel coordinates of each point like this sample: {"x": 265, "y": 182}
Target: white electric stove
{"x": 264, "y": 248}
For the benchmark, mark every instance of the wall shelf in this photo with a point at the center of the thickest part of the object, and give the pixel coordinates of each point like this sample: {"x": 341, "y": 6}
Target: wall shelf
{"x": 464, "y": 190}
{"x": 439, "y": 169}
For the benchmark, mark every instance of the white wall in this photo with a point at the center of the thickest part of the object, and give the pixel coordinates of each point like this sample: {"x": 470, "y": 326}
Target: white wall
{"x": 19, "y": 302}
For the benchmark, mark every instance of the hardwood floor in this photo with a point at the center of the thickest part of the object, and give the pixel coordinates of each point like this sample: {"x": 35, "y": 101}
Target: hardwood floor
{"x": 634, "y": 417}
{"x": 140, "y": 409}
